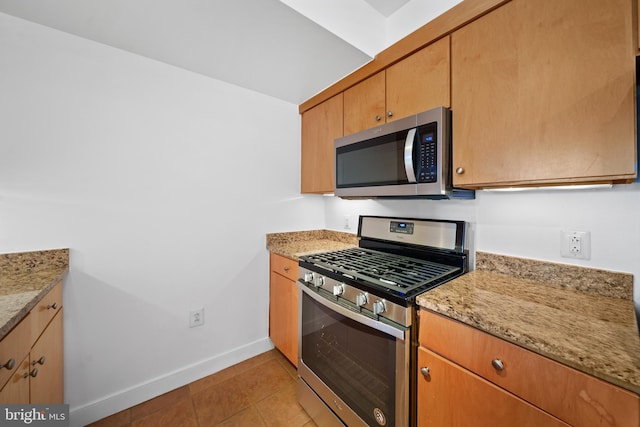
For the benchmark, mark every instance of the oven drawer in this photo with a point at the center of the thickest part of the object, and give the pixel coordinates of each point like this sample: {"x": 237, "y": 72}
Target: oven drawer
{"x": 284, "y": 266}
{"x": 576, "y": 398}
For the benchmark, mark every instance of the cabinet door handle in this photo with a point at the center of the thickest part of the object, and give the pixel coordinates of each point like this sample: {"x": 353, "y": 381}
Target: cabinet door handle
{"x": 39, "y": 361}
{"x": 33, "y": 373}
{"x": 425, "y": 371}
{"x": 378, "y": 118}
{"x": 497, "y": 365}
{"x": 389, "y": 113}
{"x": 459, "y": 170}
{"x": 52, "y": 306}
{"x": 9, "y": 365}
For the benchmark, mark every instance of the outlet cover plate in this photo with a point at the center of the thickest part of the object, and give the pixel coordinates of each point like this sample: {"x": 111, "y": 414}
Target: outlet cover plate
{"x": 196, "y": 317}
{"x": 575, "y": 244}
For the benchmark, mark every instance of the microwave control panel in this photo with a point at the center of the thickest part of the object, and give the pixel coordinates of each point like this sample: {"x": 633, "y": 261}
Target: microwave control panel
{"x": 427, "y": 168}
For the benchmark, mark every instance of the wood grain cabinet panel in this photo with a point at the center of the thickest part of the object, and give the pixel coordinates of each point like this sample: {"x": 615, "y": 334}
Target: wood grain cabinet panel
{"x": 321, "y": 125}
{"x": 570, "y": 395}
{"x": 16, "y": 390}
{"x": 417, "y": 83}
{"x": 452, "y": 396}
{"x": 420, "y": 82}
{"x": 47, "y": 357}
{"x": 543, "y": 92}
{"x": 364, "y": 104}
{"x": 13, "y": 348}
{"x": 283, "y": 306}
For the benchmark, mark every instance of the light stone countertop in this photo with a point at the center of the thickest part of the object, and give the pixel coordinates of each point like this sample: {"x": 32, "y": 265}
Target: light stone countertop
{"x": 581, "y": 317}
{"x": 26, "y": 277}
{"x": 298, "y": 243}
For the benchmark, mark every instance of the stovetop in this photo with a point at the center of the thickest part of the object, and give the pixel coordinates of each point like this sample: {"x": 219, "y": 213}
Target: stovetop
{"x": 396, "y": 273}
{"x": 396, "y": 259}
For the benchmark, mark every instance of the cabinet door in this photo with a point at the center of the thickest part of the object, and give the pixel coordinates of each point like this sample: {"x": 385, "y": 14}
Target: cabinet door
{"x": 543, "y": 92}
{"x": 283, "y": 316}
{"x": 13, "y": 348}
{"x": 321, "y": 125}
{"x": 419, "y": 82}
{"x": 16, "y": 390}
{"x": 47, "y": 357}
{"x": 364, "y": 104}
{"x": 453, "y": 396}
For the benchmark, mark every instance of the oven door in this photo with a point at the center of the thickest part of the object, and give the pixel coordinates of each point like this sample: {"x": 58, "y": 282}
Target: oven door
{"x": 357, "y": 366}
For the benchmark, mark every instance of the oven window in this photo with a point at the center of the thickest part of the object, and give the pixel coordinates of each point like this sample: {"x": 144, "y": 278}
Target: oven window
{"x": 357, "y": 362}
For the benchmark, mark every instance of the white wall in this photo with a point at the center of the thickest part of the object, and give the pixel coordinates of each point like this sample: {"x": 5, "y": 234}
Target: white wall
{"x": 414, "y": 15}
{"x": 528, "y": 224}
{"x": 163, "y": 183}
{"x": 371, "y": 32}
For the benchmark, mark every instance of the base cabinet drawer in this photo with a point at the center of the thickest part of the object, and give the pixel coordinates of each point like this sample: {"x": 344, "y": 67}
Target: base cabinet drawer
{"x": 568, "y": 394}
{"x": 449, "y": 395}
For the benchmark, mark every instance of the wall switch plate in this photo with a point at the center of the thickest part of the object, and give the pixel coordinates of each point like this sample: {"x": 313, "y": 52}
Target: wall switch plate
{"x": 196, "y": 317}
{"x": 576, "y": 244}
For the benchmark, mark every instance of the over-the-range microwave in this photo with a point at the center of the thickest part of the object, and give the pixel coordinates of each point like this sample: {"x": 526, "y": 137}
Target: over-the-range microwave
{"x": 409, "y": 157}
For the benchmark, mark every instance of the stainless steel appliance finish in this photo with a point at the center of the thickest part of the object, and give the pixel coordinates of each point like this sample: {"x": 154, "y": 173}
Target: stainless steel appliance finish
{"x": 410, "y": 157}
{"x": 357, "y": 342}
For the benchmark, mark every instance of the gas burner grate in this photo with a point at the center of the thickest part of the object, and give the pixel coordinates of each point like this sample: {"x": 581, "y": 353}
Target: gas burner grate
{"x": 395, "y": 272}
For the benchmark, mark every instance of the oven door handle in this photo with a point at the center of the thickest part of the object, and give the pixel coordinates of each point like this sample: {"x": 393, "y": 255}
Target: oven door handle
{"x": 360, "y": 318}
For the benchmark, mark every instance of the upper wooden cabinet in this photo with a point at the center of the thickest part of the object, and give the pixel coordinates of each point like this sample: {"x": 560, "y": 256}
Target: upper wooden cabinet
{"x": 417, "y": 83}
{"x": 543, "y": 92}
{"x": 321, "y": 125}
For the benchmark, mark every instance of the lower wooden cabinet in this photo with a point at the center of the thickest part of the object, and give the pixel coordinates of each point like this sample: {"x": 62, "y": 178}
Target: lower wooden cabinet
{"x": 47, "y": 357}
{"x": 36, "y": 346}
{"x": 502, "y": 384}
{"x": 16, "y": 390}
{"x": 452, "y": 396}
{"x": 283, "y": 306}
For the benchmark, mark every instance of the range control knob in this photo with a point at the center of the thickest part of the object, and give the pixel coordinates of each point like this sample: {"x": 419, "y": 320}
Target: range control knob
{"x": 379, "y": 307}
{"x": 319, "y": 281}
{"x": 361, "y": 299}
{"x": 308, "y": 277}
{"x": 338, "y": 289}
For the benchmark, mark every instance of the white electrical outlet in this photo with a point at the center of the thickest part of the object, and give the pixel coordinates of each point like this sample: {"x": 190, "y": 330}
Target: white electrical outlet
{"x": 576, "y": 244}
{"x": 196, "y": 317}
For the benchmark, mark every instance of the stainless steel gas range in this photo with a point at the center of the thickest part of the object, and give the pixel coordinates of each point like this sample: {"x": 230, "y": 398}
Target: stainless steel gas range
{"x": 357, "y": 343}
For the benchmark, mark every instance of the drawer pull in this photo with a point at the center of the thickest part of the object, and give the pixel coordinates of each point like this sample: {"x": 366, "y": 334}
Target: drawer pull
{"x": 425, "y": 371}
{"x": 9, "y": 365}
{"x": 33, "y": 373}
{"x": 286, "y": 268}
{"x": 52, "y": 306}
{"x": 497, "y": 365}
{"x": 39, "y": 361}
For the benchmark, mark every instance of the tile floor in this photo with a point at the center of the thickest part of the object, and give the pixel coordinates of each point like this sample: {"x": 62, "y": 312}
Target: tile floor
{"x": 260, "y": 391}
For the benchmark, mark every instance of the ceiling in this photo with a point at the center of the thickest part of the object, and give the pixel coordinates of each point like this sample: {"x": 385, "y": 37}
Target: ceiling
{"x": 262, "y": 45}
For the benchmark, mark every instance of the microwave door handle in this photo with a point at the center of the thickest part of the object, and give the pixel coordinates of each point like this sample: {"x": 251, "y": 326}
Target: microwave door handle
{"x": 408, "y": 155}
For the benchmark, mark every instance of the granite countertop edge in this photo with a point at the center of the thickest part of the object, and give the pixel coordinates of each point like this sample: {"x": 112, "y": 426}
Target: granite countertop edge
{"x": 25, "y": 278}
{"x": 298, "y": 243}
{"x": 589, "y": 327}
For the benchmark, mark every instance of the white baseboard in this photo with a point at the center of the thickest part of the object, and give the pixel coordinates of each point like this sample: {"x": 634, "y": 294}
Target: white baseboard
{"x": 116, "y": 402}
